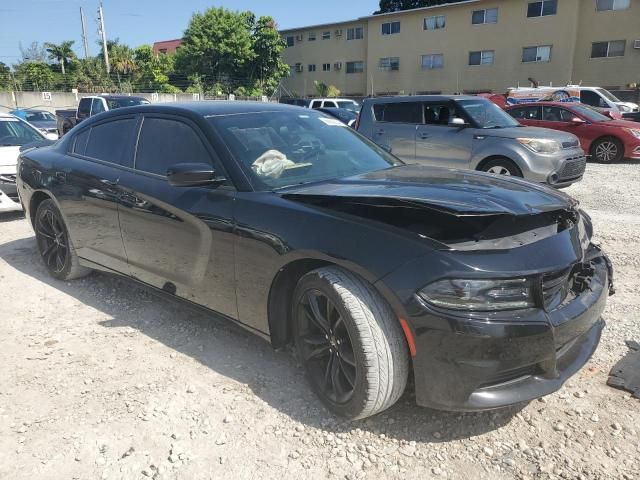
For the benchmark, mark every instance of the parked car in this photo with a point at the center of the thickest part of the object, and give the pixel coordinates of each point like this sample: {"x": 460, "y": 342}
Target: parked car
{"x": 334, "y": 103}
{"x": 348, "y": 117}
{"x": 593, "y": 96}
{"x": 14, "y": 133}
{"x": 604, "y": 139}
{"x": 470, "y": 132}
{"x": 41, "y": 119}
{"x": 92, "y": 105}
{"x": 487, "y": 289}
{"x": 299, "y": 102}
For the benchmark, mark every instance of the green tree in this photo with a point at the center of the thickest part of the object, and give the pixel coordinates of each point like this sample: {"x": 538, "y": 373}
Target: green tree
{"x": 267, "y": 66}
{"x": 34, "y": 76}
{"x": 122, "y": 60}
{"x": 218, "y": 45}
{"x": 62, "y": 53}
{"x": 387, "y": 6}
{"x": 152, "y": 71}
{"x": 326, "y": 91}
{"x": 5, "y": 77}
{"x": 90, "y": 76}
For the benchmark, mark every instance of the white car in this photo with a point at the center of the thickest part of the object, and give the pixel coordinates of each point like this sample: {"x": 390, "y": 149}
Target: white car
{"x": 14, "y": 133}
{"x": 335, "y": 103}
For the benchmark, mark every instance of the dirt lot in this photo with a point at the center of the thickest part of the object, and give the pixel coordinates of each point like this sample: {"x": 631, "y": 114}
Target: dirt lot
{"x": 101, "y": 379}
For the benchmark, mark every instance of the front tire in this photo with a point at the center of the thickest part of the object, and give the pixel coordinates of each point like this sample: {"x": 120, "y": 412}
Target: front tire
{"x": 607, "y": 150}
{"x": 502, "y": 166}
{"x": 350, "y": 343}
{"x": 54, "y": 243}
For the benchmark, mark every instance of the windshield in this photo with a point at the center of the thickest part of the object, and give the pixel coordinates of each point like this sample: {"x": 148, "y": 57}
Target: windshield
{"x": 487, "y": 114}
{"x": 591, "y": 114}
{"x": 40, "y": 117}
{"x": 125, "y": 102}
{"x": 607, "y": 94}
{"x": 279, "y": 149}
{"x": 16, "y": 133}
{"x": 354, "y": 107}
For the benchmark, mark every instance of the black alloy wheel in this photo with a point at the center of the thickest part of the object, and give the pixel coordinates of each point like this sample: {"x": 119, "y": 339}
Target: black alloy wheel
{"x": 326, "y": 347}
{"x": 52, "y": 240}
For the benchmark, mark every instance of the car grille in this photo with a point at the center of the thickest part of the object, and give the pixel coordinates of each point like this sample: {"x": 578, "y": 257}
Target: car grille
{"x": 570, "y": 144}
{"x": 555, "y": 287}
{"x": 573, "y": 168}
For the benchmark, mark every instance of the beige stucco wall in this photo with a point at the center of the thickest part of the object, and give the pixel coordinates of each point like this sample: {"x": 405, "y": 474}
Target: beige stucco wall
{"x": 570, "y": 32}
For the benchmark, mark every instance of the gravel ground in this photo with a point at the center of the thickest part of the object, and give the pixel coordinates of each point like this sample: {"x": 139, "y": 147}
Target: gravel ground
{"x": 102, "y": 379}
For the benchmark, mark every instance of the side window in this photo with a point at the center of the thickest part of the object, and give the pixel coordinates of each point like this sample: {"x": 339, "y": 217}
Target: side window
{"x": 84, "y": 108}
{"x": 438, "y": 113}
{"x": 592, "y": 98}
{"x": 97, "y": 107}
{"x": 330, "y": 105}
{"x": 525, "y": 113}
{"x": 80, "y": 142}
{"x": 164, "y": 142}
{"x": 552, "y": 114}
{"x": 316, "y": 104}
{"x": 111, "y": 141}
{"x": 401, "y": 112}
{"x": 566, "y": 115}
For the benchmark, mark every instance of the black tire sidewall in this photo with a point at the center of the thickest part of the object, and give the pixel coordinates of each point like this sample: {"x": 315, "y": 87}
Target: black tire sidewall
{"x": 49, "y": 205}
{"x": 358, "y": 400}
{"x": 503, "y": 162}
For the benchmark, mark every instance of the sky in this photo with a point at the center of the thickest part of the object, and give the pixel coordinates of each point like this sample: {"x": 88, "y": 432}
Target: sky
{"x": 136, "y": 22}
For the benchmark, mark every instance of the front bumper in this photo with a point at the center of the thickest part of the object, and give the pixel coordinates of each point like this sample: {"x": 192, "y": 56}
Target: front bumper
{"x": 465, "y": 362}
{"x": 9, "y": 200}
{"x": 559, "y": 170}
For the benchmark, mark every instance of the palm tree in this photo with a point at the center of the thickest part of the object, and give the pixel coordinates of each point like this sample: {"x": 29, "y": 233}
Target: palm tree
{"x": 63, "y": 53}
{"x": 121, "y": 59}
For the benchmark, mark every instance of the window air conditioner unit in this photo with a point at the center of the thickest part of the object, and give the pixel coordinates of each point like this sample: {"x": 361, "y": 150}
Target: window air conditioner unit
{"x": 636, "y": 44}
{"x": 337, "y": 66}
{"x": 299, "y": 68}
{"x": 339, "y": 32}
{"x": 299, "y": 38}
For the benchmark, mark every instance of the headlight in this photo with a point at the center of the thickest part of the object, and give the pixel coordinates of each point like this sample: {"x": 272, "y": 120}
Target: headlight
{"x": 624, "y": 108}
{"x": 540, "y": 145}
{"x": 633, "y": 131}
{"x": 480, "y": 295}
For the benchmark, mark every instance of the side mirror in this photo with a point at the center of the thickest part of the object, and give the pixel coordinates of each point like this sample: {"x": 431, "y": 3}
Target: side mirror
{"x": 458, "y": 122}
{"x": 192, "y": 175}
{"x": 577, "y": 121}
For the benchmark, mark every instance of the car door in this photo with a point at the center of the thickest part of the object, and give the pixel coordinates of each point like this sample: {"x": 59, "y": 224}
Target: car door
{"x": 395, "y": 125}
{"x": 439, "y": 144}
{"x": 88, "y": 192}
{"x": 179, "y": 239}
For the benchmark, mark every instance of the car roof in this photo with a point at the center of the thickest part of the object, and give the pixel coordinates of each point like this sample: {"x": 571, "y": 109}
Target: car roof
{"x": 546, "y": 104}
{"x": 421, "y": 98}
{"x": 211, "y": 108}
{"x": 121, "y": 97}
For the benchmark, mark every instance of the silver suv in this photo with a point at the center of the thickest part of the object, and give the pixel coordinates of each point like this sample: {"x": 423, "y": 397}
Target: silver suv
{"x": 471, "y": 133}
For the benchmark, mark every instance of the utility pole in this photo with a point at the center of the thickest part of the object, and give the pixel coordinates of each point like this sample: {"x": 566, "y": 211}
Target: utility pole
{"x": 85, "y": 42}
{"x": 103, "y": 33}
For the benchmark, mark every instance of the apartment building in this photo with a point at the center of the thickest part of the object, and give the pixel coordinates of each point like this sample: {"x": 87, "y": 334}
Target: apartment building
{"x": 472, "y": 46}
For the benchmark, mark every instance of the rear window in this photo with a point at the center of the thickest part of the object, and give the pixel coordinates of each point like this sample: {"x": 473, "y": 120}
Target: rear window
{"x": 111, "y": 141}
{"x": 402, "y": 112}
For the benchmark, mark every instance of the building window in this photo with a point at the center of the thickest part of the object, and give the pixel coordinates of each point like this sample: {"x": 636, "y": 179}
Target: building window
{"x": 487, "y": 15}
{"x": 606, "y": 5}
{"x": 430, "y": 62}
{"x": 614, "y": 48}
{"x": 434, "y": 23}
{"x": 355, "y": 33}
{"x": 312, "y": 36}
{"x": 312, "y": 67}
{"x": 326, "y": 35}
{"x": 542, "y": 9}
{"x": 326, "y": 67}
{"x": 163, "y": 50}
{"x": 536, "y": 54}
{"x": 291, "y": 40}
{"x": 390, "y": 64}
{"x": 484, "y": 57}
{"x": 355, "y": 67}
{"x": 390, "y": 28}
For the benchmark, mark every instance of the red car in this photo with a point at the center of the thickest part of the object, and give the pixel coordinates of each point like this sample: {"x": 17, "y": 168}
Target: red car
{"x": 604, "y": 139}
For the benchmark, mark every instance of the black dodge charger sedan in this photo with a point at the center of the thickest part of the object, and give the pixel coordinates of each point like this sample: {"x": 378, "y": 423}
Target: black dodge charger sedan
{"x": 487, "y": 289}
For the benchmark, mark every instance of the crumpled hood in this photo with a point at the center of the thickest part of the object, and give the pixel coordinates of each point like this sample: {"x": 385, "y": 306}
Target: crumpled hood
{"x": 459, "y": 192}
{"x": 9, "y": 156}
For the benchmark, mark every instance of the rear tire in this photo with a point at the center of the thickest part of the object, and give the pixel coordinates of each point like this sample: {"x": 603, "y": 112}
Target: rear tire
{"x": 350, "y": 343}
{"x": 607, "y": 150}
{"x": 502, "y": 166}
{"x": 54, "y": 244}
